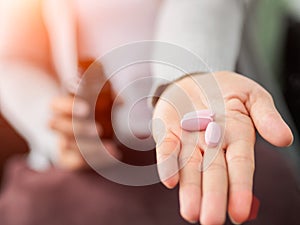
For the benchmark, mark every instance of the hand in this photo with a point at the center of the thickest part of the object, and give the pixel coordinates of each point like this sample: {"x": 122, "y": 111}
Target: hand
{"x": 203, "y": 195}
{"x": 70, "y": 157}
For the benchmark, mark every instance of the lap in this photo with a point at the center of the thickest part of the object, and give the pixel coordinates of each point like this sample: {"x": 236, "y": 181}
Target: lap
{"x": 59, "y": 197}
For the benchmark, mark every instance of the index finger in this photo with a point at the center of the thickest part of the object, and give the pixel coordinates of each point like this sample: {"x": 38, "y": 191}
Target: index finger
{"x": 165, "y": 130}
{"x": 177, "y": 99}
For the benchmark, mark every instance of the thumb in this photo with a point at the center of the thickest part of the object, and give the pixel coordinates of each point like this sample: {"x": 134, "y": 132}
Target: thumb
{"x": 267, "y": 119}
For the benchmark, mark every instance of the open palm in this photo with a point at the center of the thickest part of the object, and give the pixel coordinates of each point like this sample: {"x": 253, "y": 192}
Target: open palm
{"x": 226, "y": 185}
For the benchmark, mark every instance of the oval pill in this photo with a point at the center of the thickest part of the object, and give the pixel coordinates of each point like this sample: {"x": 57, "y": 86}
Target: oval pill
{"x": 195, "y": 123}
{"x": 212, "y": 134}
{"x": 200, "y": 113}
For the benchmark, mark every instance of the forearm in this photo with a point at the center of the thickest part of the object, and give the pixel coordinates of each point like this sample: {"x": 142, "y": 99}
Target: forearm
{"x": 25, "y": 95}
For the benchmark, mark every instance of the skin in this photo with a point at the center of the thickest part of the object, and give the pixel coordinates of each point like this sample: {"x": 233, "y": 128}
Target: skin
{"x": 202, "y": 195}
{"x": 70, "y": 157}
{"x": 66, "y": 115}
{"x": 226, "y": 186}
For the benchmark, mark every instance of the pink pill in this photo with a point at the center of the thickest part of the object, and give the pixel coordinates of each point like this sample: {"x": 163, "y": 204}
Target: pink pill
{"x": 212, "y": 134}
{"x": 196, "y": 121}
{"x": 200, "y": 113}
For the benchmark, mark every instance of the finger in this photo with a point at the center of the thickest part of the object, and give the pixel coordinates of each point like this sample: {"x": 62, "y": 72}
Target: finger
{"x": 267, "y": 119}
{"x": 190, "y": 181}
{"x": 67, "y": 143}
{"x": 69, "y": 155}
{"x": 240, "y": 164}
{"x": 167, "y": 159}
{"x": 214, "y": 191}
{"x": 96, "y": 153}
{"x": 64, "y": 106}
{"x": 71, "y": 161}
{"x": 87, "y": 146}
{"x": 88, "y": 150}
{"x": 67, "y": 127}
{"x": 165, "y": 130}
{"x": 172, "y": 105}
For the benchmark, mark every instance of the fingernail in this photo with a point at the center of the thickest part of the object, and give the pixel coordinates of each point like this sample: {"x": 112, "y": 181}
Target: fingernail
{"x": 183, "y": 214}
{"x": 232, "y": 220}
{"x": 81, "y": 108}
{"x": 193, "y": 221}
{"x": 292, "y": 141}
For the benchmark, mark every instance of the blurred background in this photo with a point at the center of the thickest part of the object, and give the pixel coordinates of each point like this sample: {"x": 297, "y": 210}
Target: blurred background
{"x": 271, "y": 52}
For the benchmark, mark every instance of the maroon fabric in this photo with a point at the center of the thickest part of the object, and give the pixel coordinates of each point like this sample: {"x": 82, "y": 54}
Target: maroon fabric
{"x": 276, "y": 186}
{"x": 56, "y": 197}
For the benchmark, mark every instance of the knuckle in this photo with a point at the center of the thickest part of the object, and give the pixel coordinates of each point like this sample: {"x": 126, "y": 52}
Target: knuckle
{"x": 190, "y": 183}
{"x": 192, "y": 159}
{"x": 166, "y": 152}
{"x": 171, "y": 140}
{"x": 216, "y": 166}
{"x": 262, "y": 92}
{"x": 169, "y": 148}
{"x": 242, "y": 160}
{"x": 161, "y": 156}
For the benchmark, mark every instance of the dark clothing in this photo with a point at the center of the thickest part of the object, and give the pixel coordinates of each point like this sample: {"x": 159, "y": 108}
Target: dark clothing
{"x": 57, "y": 197}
